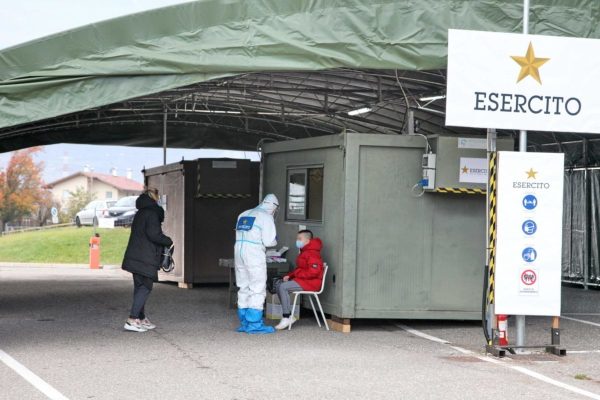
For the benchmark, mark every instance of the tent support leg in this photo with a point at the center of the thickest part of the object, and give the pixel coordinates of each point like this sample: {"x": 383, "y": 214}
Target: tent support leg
{"x": 165, "y": 136}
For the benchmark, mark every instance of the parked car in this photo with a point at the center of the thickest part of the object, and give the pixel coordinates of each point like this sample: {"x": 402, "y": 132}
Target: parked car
{"x": 94, "y": 210}
{"x": 123, "y": 211}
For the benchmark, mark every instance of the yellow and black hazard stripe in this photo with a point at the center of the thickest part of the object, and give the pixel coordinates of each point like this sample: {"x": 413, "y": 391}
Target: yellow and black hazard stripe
{"x": 492, "y": 228}
{"x": 459, "y": 190}
{"x": 223, "y": 196}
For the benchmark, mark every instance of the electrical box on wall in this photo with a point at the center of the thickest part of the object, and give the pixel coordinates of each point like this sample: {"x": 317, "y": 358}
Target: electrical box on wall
{"x": 428, "y": 181}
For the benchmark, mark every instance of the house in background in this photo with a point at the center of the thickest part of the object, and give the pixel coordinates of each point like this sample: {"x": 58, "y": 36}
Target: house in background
{"x": 102, "y": 186}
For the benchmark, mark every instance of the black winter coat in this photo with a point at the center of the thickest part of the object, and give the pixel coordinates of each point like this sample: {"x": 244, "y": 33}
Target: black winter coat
{"x": 147, "y": 240}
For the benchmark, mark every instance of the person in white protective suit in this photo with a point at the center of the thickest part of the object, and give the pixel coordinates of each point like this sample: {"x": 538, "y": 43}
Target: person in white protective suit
{"x": 254, "y": 232}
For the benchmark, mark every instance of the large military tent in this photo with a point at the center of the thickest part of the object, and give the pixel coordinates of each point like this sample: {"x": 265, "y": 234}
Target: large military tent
{"x": 230, "y": 74}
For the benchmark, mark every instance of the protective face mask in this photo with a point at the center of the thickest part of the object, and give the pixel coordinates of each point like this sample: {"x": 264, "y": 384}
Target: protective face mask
{"x": 299, "y": 244}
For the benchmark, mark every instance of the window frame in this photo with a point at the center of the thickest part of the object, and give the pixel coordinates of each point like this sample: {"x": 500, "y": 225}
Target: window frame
{"x": 295, "y": 169}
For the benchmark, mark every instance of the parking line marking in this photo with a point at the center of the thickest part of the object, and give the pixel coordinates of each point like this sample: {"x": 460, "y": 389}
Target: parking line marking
{"x": 522, "y": 370}
{"x": 594, "y": 314}
{"x": 421, "y": 334}
{"x": 32, "y": 378}
{"x": 583, "y": 321}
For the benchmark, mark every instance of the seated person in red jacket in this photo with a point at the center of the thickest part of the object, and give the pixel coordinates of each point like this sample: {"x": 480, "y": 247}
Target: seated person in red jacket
{"x": 307, "y": 276}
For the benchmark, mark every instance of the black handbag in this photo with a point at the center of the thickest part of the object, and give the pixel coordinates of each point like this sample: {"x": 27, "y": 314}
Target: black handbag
{"x": 166, "y": 261}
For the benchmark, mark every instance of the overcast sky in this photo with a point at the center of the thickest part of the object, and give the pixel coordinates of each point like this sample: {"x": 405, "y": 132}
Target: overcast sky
{"x": 26, "y": 20}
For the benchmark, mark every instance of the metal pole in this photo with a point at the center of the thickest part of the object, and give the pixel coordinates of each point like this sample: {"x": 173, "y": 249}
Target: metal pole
{"x": 523, "y": 134}
{"x": 525, "y": 17}
{"x": 491, "y": 147}
{"x": 588, "y": 204}
{"x": 523, "y": 147}
{"x": 91, "y": 196}
{"x": 165, "y": 136}
{"x": 262, "y": 175}
{"x": 523, "y": 141}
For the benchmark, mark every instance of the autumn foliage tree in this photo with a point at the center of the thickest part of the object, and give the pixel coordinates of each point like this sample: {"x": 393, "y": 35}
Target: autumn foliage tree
{"x": 22, "y": 191}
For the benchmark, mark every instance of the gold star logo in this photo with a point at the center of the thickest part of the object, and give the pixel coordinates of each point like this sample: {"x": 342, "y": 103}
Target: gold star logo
{"x": 465, "y": 170}
{"x": 531, "y": 173}
{"x": 530, "y": 65}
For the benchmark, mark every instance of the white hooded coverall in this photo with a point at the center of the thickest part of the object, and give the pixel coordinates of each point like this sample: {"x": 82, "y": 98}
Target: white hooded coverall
{"x": 255, "y": 231}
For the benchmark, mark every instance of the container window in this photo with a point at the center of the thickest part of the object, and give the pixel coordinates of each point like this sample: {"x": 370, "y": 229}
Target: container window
{"x": 296, "y": 204}
{"x": 305, "y": 194}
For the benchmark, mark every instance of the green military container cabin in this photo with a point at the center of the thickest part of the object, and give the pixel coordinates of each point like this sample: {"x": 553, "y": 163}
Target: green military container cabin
{"x": 391, "y": 253}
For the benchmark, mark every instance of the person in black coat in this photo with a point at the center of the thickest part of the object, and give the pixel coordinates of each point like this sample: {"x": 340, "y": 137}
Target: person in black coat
{"x": 143, "y": 256}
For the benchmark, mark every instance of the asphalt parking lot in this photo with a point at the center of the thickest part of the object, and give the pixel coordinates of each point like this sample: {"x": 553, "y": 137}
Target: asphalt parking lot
{"x": 61, "y": 337}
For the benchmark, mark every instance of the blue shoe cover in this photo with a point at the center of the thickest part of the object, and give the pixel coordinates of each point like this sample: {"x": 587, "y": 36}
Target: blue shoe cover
{"x": 255, "y": 323}
{"x": 241, "y": 312}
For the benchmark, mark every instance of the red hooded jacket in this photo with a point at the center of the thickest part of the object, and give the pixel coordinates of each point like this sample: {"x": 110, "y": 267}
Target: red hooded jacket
{"x": 309, "y": 266}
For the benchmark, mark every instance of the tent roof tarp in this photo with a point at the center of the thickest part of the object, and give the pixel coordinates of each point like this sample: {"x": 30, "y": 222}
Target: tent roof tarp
{"x": 159, "y": 50}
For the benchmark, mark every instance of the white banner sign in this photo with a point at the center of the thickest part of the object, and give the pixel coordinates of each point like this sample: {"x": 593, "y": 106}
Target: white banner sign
{"x": 473, "y": 170}
{"x": 529, "y": 233}
{"x": 530, "y": 82}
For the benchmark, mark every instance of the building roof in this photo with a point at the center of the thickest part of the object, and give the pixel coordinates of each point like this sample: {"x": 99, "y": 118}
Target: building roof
{"x": 118, "y": 182}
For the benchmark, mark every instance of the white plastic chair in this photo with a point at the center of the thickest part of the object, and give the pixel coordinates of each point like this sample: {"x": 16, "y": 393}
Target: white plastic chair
{"x": 310, "y": 295}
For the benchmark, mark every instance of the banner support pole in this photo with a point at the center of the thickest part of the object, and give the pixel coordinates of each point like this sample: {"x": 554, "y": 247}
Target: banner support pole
{"x": 520, "y": 325}
{"x": 490, "y": 315}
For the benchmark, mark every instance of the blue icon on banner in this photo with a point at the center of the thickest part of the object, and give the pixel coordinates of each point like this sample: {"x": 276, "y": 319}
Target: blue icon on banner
{"x": 530, "y": 202}
{"x": 529, "y": 254}
{"x": 529, "y": 227}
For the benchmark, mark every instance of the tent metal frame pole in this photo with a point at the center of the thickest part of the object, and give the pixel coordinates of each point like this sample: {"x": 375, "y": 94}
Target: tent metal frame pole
{"x": 165, "y": 136}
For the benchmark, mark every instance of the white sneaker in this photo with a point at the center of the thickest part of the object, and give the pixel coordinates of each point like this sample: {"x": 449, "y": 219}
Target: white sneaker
{"x": 285, "y": 323}
{"x": 134, "y": 325}
{"x": 147, "y": 324}
{"x": 292, "y": 320}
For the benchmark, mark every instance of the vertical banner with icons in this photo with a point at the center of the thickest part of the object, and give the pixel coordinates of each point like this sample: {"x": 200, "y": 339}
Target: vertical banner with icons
{"x": 529, "y": 233}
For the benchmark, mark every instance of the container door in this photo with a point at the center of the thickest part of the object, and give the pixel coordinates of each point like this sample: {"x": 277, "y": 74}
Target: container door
{"x": 391, "y": 247}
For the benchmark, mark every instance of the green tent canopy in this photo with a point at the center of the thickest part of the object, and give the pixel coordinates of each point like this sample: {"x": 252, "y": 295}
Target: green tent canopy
{"x": 78, "y": 85}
